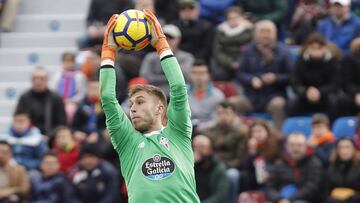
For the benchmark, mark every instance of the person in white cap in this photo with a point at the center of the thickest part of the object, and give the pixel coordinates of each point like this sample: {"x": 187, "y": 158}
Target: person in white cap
{"x": 341, "y": 26}
{"x": 151, "y": 69}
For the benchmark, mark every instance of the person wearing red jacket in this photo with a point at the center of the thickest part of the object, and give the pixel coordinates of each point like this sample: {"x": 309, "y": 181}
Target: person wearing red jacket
{"x": 67, "y": 149}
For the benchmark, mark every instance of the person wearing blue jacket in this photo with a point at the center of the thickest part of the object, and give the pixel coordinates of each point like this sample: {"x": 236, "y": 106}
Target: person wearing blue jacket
{"x": 341, "y": 27}
{"x": 51, "y": 186}
{"x": 26, "y": 141}
{"x": 264, "y": 73}
{"x": 94, "y": 180}
{"x": 214, "y": 10}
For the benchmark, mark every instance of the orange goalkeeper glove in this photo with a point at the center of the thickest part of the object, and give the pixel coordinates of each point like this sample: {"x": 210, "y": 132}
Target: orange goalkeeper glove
{"x": 158, "y": 39}
{"x": 109, "y": 47}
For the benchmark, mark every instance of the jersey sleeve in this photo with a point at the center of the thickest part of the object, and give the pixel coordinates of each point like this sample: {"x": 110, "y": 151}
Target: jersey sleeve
{"x": 178, "y": 111}
{"x": 118, "y": 124}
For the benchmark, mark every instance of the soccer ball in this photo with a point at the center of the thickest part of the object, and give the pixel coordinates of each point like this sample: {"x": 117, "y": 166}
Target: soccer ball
{"x": 132, "y": 31}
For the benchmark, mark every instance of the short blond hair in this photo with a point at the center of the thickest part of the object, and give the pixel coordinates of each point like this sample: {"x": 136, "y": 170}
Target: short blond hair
{"x": 150, "y": 89}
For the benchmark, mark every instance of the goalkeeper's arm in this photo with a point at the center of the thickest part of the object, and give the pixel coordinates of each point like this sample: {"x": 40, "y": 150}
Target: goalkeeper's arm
{"x": 178, "y": 110}
{"x": 118, "y": 124}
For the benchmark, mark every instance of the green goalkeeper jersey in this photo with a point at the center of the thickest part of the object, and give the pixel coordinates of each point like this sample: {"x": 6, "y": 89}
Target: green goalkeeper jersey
{"x": 157, "y": 167}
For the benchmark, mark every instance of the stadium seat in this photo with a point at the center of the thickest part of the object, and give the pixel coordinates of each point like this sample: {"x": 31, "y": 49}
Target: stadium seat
{"x": 344, "y": 126}
{"x": 259, "y": 115}
{"x": 297, "y": 124}
{"x": 228, "y": 88}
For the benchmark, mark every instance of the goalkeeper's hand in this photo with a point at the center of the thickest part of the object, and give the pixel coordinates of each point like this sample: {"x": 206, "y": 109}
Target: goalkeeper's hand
{"x": 109, "y": 47}
{"x": 158, "y": 39}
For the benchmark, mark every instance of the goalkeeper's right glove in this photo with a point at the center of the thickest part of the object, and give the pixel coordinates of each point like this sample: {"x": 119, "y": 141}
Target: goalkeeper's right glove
{"x": 109, "y": 47}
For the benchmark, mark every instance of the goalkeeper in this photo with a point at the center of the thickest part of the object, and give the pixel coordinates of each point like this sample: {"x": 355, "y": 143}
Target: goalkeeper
{"x": 156, "y": 161}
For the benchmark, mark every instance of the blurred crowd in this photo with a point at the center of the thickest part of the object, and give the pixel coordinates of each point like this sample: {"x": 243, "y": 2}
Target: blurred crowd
{"x": 249, "y": 65}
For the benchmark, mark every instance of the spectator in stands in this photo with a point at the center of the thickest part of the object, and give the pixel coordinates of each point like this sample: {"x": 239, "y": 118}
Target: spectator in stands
{"x": 314, "y": 76}
{"x": 107, "y": 151}
{"x": 341, "y": 26}
{"x": 203, "y": 96}
{"x": 197, "y": 34}
{"x": 304, "y": 19}
{"x": 213, "y": 10}
{"x": 262, "y": 150}
{"x": 51, "y": 186}
{"x": 321, "y": 140}
{"x": 230, "y": 39}
{"x": 210, "y": 174}
{"x": 89, "y": 119}
{"x": 274, "y": 11}
{"x": 91, "y": 65}
{"x": 45, "y": 107}
{"x": 167, "y": 10}
{"x": 14, "y": 183}
{"x": 151, "y": 69}
{"x": 8, "y": 11}
{"x": 228, "y": 134}
{"x": 297, "y": 177}
{"x": 343, "y": 176}
{"x": 27, "y": 143}
{"x": 70, "y": 83}
{"x": 67, "y": 148}
{"x": 95, "y": 180}
{"x": 349, "y": 103}
{"x": 99, "y": 13}
{"x": 264, "y": 74}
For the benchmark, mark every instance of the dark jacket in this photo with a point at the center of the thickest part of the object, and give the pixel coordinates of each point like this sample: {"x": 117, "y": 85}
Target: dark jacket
{"x": 49, "y": 190}
{"x": 321, "y": 74}
{"x": 46, "y": 109}
{"x": 306, "y": 174}
{"x": 229, "y": 142}
{"x": 346, "y": 175}
{"x": 252, "y": 65}
{"x": 167, "y": 10}
{"x": 101, "y": 11}
{"x": 211, "y": 181}
{"x": 266, "y": 9}
{"x": 100, "y": 185}
{"x": 89, "y": 117}
{"x": 323, "y": 153}
{"x": 229, "y": 45}
{"x": 196, "y": 37}
{"x": 351, "y": 74}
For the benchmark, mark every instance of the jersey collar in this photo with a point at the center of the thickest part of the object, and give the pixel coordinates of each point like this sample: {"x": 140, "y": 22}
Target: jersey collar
{"x": 154, "y": 132}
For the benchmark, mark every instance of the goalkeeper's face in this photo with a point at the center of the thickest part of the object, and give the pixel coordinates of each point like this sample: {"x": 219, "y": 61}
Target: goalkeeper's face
{"x": 146, "y": 111}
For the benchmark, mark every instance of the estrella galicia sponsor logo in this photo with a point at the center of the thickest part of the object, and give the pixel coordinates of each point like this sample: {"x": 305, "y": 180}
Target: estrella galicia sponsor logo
{"x": 158, "y": 167}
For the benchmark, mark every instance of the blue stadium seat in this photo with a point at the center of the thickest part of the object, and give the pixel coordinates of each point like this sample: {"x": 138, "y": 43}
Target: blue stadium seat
{"x": 297, "y": 124}
{"x": 344, "y": 126}
{"x": 259, "y": 115}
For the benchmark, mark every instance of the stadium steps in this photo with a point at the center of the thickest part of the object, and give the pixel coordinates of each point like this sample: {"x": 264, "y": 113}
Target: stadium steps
{"x": 31, "y": 56}
{"x": 23, "y": 74}
{"x": 54, "y": 7}
{"x": 43, "y": 39}
{"x": 50, "y": 23}
{"x": 42, "y": 31}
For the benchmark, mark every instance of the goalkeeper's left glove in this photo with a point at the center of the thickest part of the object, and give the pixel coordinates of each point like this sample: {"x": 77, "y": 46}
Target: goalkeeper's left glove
{"x": 158, "y": 39}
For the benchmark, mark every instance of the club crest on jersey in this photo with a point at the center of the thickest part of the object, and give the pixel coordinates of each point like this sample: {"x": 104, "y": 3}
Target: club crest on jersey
{"x": 158, "y": 167}
{"x": 165, "y": 142}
